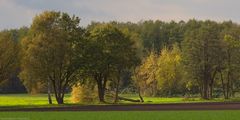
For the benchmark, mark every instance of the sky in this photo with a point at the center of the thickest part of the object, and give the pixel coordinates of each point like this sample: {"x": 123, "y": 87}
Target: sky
{"x": 18, "y": 13}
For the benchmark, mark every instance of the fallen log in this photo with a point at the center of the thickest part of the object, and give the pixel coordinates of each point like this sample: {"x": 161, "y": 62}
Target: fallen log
{"x": 128, "y": 99}
{"x": 111, "y": 94}
{"x": 124, "y": 99}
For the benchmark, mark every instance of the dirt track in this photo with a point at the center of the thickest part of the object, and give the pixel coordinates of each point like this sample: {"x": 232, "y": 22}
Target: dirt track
{"x": 137, "y": 107}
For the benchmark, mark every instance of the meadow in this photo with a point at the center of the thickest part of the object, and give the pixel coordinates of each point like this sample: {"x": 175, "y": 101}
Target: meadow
{"x": 27, "y": 100}
{"x": 40, "y": 100}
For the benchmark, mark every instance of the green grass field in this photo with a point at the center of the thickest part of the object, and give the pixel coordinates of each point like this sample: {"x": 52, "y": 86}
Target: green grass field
{"x": 27, "y": 100}
{"x": 157, "y": 100}
{"x": 133, "y": 115}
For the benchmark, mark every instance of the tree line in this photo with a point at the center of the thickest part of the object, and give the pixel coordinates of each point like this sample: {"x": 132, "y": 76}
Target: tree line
{"x": 155, "y": 58}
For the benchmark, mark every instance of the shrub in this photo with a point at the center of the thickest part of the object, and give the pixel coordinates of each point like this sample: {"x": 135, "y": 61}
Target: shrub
{"x": 83, "y": 94}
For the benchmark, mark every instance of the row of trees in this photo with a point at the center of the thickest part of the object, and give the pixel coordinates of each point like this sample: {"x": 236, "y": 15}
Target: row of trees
{"x": 211, "y": 53}
{"x": 59, "y": 53}
{"x": 156, "y": 58}
{"x": 206, "y": 59}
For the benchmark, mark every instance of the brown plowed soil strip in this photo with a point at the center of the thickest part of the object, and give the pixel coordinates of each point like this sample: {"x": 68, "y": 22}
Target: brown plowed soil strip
{"x": 137, "y": 107}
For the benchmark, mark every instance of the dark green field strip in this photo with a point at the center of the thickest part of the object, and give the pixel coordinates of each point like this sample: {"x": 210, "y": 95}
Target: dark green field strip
{"x": 129, "y": 115}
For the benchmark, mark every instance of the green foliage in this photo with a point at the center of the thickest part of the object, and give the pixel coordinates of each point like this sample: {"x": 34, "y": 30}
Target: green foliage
{"x": 110, "y": 52}
{"x": 110, "y": 47}
{"x": 9, "y": 55}
{"x": 176, "y": 57}
{"x": 157, "y": 34}
{"x": 50, "y": 51}
{"x": 201, "y": 52}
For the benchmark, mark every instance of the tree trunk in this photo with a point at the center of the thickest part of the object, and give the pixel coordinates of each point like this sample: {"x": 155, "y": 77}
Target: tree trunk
{"x": 228, "y": 85}
{"x": 228, "y": 74}
{"x": 205, "y": 90}
{"x": 211, "y": 83}
{"x": 232, "y": 90}
{"x": 205, "y": 70}
{"x": 101, "y": 84}
{"x": 139, "y": 94}
{"x": 201, "y": 90}
{"x": 59, "y": 93}
{"x": 60, "y": 100}
{"x": 49, "y": 92}
{"x": 100, "y": 93}
{"x": 117, "y": 87}
{"x": 223, "y": 86}
{"x": 210, "y": 91}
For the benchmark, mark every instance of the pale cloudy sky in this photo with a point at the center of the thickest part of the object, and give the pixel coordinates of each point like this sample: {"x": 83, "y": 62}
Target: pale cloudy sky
{"x": 17, "y": 13}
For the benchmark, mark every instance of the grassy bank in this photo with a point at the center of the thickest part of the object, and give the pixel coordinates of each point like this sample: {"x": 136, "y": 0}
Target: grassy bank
{"x": 41, "y": 100}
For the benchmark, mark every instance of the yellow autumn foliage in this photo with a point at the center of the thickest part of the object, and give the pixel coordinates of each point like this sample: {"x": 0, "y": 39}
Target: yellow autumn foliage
{"x": 83, "y": 94}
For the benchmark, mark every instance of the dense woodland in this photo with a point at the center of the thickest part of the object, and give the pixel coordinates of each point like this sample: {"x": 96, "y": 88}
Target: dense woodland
{"x": 56, "y": 55}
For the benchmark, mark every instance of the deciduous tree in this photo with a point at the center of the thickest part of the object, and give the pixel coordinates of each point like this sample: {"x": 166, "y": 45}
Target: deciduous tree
{"x": 9, "y": 55}
{"x": 52, "y": 53}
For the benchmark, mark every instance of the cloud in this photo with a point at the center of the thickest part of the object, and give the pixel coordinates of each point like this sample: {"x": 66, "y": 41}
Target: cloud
{"x": 131, "y": 10}
{"x": 16, "y": 13}
{"x": 13, "y": 16}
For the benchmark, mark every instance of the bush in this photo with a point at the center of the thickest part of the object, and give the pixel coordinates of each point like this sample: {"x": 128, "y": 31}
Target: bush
{"x": 83, "y": 94}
